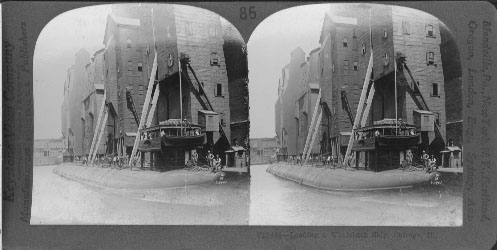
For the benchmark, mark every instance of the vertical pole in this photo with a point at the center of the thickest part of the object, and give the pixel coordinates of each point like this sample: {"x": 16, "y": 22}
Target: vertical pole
{"x": 375, "y": 159}
{"x": 180, "y": 99}
{"x": 395, "y": 86}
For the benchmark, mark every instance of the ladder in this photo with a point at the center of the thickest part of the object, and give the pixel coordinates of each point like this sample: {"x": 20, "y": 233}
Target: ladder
{"x": 100, "y": 134}
{"x": 346, "y": 106}
{"x": 131, "y": 105}
{"x": 314, "y": 134}
{"x": 94, "y": 145}
{"x": 144, "y": 110}
{"x": 360, "y": 106}
{"x": 368, "y": 106}
{"x": 312, "y": 125}
{"x": 154, "y": 105}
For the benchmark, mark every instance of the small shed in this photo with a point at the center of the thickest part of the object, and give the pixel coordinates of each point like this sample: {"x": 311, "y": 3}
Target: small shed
{"x": 208, "y": 120}
{"x": 236, "y": 160}
{"x": 451, "y": 157}
{"x": 424, "y": 120}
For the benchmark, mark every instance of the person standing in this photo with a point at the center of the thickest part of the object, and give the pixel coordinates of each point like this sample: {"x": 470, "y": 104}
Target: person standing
{"x": 433, "y": 164}
{"x": 425, "y": 158}
{"x": 409, "y": 157}
{"x": 217, "y": 163}
{"x": 194, "y": 157}
{"x": 210, "y": 158}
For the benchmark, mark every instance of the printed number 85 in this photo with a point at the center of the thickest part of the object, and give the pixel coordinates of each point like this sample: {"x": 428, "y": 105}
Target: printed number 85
{"x": 251, "y": 12}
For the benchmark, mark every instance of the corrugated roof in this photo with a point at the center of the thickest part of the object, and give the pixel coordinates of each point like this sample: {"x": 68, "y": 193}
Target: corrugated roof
{"x": 238, "y": 148}
{"x": 454, "y": 148}
{"x": 423, "y": 112}
{"x": 99, "y": 86}
{"x": 314, "y": 85}
{"x": 125, "y": 20}
{"x": 344, "y": 20}
{"x": 208, "y": 112}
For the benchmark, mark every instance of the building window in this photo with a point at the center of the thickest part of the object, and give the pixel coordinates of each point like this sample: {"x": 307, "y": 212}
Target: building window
{"x": 363, "y": 48}
{"x": 214, "y": 59}
{"x": 429, "y": 31}
{"x": 333, "y": 68}
{"x": 427, "y": 119}
{"x": 385, "y": 33}
{"x": 406, "y": 28}
{"x": 355, "y": 66}
{"x": 430, "y": 58}
{"x": 434, "y": 89}
{"x": 140, "y": 67}
{"x": 140, "y": 89}
{"x": 437, "y": 120}
{"x": 219, "y": 89}
{"x": 130, "y": 65}
{"x": 354, "y": 41}
{"x": 346, "y": 65}
{"x": 345, "y": 42}
{"x": 128, "y": 42}
{"x": 386, "y": 60}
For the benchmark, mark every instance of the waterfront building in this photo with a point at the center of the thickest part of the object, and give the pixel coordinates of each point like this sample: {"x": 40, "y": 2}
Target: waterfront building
{"x": 47, "y": 151}
{"x": 72, "y": 124}
{"x": 263, "y": 150}
{"x": 198, "y": 86}
{"x": 306, "y": 103}
{"x": 92, "y": 96}
{"x": 409, "y": 101}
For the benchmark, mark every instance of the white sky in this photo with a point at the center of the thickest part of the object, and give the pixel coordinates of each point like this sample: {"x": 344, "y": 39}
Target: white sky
{"x": 269, "y": 50}
{"x": 55, "y": 52}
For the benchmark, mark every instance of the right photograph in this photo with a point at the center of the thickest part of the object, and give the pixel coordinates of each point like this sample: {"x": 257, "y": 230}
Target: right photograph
{"x": 356, "y": 118}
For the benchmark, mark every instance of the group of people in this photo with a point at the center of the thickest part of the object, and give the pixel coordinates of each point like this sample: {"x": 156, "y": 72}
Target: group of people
{"x": 214, "y": 162}
{"x": 313, "y": 160}
{"x": 429, "y": 162}
{"x": 112, "y": 161}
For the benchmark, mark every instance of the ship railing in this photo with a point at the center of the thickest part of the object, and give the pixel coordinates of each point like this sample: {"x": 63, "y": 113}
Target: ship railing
{"x": 167, "y": 130}
{"x": 385, "y": 129}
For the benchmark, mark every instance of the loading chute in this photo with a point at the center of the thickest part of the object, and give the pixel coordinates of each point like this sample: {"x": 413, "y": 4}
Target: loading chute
{"x": 360, "y": 106}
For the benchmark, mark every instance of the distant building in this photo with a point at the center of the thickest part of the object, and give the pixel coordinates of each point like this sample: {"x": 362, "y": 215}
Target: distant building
{"x": 290, "y": 90}
{"x": 92, "y": 101}
{"x": 72, "y": 116}
{"x": 306, "y": 103}
{"x": 47, "y": 151}
{"x": 451, "y": 62}
{"x": 263, "y": 150}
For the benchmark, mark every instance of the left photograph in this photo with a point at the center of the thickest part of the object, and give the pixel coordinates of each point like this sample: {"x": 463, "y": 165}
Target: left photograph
{"x": 141, "y": 117}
